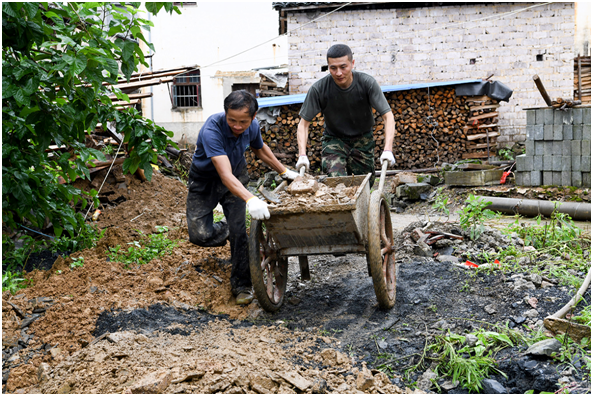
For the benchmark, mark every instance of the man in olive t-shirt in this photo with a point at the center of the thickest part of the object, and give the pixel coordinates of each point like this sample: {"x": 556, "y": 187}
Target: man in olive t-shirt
{"x": 346, "y": 99}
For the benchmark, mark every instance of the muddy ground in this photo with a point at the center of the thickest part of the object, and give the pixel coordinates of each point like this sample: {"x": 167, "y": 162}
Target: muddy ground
{"x": 172, "y": 326}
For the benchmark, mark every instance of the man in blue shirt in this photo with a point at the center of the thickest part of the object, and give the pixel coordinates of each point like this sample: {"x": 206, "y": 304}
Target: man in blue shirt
{"x": 219, "y": 175}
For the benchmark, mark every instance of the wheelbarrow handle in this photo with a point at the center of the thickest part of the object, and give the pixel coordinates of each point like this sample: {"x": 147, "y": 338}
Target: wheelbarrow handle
{"x": 383, "y": 172}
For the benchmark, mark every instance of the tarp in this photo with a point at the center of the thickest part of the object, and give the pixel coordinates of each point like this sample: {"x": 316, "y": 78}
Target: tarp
{"x": 493, "y": 89}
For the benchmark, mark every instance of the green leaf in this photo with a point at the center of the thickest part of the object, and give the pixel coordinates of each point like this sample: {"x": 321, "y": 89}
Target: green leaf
{"x": 21, "y": 98}
{"x": 31, "y": 86}
{"x": 79, "y": 64}
{"x": 31, "y": 9}
{"x": 128, "y": 50}
{"x": 8, "y": 9}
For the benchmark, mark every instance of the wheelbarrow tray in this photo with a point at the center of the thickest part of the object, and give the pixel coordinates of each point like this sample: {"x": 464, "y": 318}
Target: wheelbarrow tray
{"x": 323, "y": 229}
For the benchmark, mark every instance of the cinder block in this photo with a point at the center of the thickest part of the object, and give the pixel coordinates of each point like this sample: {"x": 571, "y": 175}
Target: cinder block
{"x": 577, "y": 116}
{"x": 525, "y": 178}
{"x": 548, "y": 179}
{"x": 530, "y": 132}
{"x": 559, "y": 133}
{"x": 556, "y": 162}
{"x": 575, "y": 148}
{"x": 577, "y": 179}
{"x": 586, "y": 148}
{"x": 577, "y": 132}
{"x": 587, "y": 179}
{"x": 539, "y": 117}
{"x": 547, "y": 163}
{"x": 566, "y": 178}
{"x": 539, "y": 147}
{"x": 549, "y": 131}
{"x": 567, "y": 132}
{"x": 529, "y": 163}
{"x": 566, "y": 148}
{"x": 530, "y": 147}
{"x": 557, "y": 148}
{"x": 548, "y": 116}
{"x": 566, "y": 117}
{"x": 576, "y": 163}
{"x": 587, "y": 115}
{"x": 538, "y": 132}
{"x": 566, "y": 163}
{"x": 530, "y": 117}
{"x": 548, "y": 148}
{"x": 520, "y": 162}
{"x": 556, "y": 178}
{"x": 538, "y": 162}
{"x": 585, "y": 164}
{"x": 518, "y": 178}
{"x": 558, "y": 117}
{"x": 586, "y": 132}
{"x": 536, "y": 178}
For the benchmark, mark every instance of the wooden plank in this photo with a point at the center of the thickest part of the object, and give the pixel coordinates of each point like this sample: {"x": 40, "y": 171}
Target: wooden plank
{"x": 476, "y": 99}
{"x": 480, "y": 145}
{"x": 482, "y": 116}
{"x": 473, "y": 178}
{"x": 483, "y": 135}
{"x": 134, "y": 96}
{"x": 477, "y": 155}
{"x": 468, "y": 127}
{"x": 124, "y": 103}
{"x": 477, "y": 108}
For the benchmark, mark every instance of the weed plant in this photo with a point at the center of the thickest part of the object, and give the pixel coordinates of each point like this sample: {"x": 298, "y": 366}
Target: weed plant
{"x": 473, "y": 215}
{"x": 142, "y": 252}
{"x": 441, "y": 202}
{"x": 87, "y": 238}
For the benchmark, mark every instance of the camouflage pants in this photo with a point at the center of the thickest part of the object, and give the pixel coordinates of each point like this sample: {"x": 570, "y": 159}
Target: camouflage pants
{"x": 348, "y": 156}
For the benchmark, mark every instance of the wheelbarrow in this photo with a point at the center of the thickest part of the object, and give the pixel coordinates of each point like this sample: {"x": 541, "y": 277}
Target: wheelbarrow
{"x": 362, "y": 226}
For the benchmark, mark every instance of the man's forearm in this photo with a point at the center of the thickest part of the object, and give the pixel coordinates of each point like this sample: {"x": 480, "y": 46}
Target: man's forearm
{"x": 302, "y": 135}
{"x": 266, "y": 155}
{"x": 389, "y": 130}
{"x": 224, "y": 169}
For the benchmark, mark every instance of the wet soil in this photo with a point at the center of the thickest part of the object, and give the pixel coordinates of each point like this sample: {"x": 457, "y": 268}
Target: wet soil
{"x": 177, "y": 314}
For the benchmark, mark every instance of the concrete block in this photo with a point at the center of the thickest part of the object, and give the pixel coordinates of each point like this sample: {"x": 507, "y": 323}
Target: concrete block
{"x": 520, "y": 162}
{"x": 526, "y": 178}
{"x": 538, "y": 162}
{"x": 536, "y": 178}
{"x": 577, "y": 116}
{"x": 559, "y": 133}
{"x": 549, "y": 131}
{"x": 587, "y": 179}
{"x": 585, "y": 164}
{"x": 548, "y": 179}
{"x": 566, "y": 178}
{"x": 518, "y": 178}
{"x": 576, "y": 163}
{"x": 529, "y": 147}
{"x": 538, "y": 132}
{"x": 566, "y": 117}
{"x": 586, "y": 132}
{"x": 577, "y": 179}
{"x": 567, "y": 132}
{"x": 556, "y": 178}
{"x": 566, "y": 148}
{"x": 548, "y": 148}
{"x": 528, "y": 164}
{"x": 575, "y": 148}
{"x": 566, "y": 163}
{"x": 587, "y": 115}
{"x": 557, "y": 148}
{"x": 530, "y": 117}
{"x": 558, "y": 117}
{"x": 539, "y": 117}
{"x": 586, "y": 148}
{"x": 556, "y": 162}
{"x": 530, "y": 132}
{"x": 547, "y": 163}
{"x": 577, "y": 132}
{"x": 539, "y": 148}
{"x": 548, "y": 117}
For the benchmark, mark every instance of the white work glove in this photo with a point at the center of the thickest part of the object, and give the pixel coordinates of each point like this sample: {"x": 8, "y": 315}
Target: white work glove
{"x": 258, "y": 209}
{"x": 388, "y": 155}
{"x": 288, "y": 174}
{"x": 303, "y": 161}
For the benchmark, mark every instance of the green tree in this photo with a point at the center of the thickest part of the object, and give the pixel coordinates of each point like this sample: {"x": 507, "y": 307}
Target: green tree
{"x": 56, "y": 59}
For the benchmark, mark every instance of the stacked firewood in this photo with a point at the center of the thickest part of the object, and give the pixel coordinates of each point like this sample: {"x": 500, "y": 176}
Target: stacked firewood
{"x": 482, "y": 127}
{"x": 270, "y": 88}
{"x": 429, "y": 129}
{"x": 584, "y": 63}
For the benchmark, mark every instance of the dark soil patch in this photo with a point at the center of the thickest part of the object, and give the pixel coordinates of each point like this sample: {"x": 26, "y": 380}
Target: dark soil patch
{"x": 42, "y": 260}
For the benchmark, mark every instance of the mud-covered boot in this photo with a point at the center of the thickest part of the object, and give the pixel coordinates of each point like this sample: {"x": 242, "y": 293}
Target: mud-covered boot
{"x": 244, "y": 297}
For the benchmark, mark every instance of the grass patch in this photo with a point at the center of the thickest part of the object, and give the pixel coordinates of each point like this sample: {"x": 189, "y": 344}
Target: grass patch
{"x": 143, "y": 251}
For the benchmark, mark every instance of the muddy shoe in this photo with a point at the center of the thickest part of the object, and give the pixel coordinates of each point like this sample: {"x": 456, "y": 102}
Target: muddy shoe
{"x": 244, "y": 297}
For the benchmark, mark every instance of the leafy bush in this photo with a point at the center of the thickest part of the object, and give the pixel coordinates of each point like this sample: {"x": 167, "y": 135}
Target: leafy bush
{"x": 87, "y": 238}
{"x": 473, "y": 215}
{"x": 13, "y": 281}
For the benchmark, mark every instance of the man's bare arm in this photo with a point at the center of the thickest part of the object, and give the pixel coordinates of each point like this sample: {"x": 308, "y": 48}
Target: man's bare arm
{"x": 389, "y": 130}
{"x": 225, "y": 171}
{"x": 302, "y": 136}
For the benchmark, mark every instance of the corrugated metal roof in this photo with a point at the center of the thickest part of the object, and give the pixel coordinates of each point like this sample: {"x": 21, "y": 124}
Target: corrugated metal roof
{"x": 300, "y": 98}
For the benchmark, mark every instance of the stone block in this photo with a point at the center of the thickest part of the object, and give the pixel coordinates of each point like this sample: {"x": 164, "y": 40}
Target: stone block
{"x": 528, "y": 164}
{"x": 548, "y": 117}
{"x": 577, "y": 179}
{"x": 549, "y": 131}
{"x": 539, "y": 117}
{"x": 556, "y": 162}
{"x": 530, "y": 117}
{"x": 520, "y": 162}
{"x": 576, "y": 163}
{"x": 538, "y": 162}
{"x": 586, "y": 132}
{"x": 526, "y": 178}
{"x": 587, "y": 115}
{"x": 530, "y": 132}
{"x": 575, "y": 148}
{"x": 566, "y": 145}
{"x": 556, "y": 178}
{"x": 539, "y": 148}
{"x": 577, "y": 116}
{"x": 412, "y": 190}
{"x": 577, "y": 132}
{"x": 548, "y": 179}
{"x": 519, "y": 178}
{"x": 566, "y": 163}
{"x": 548, "y": 148}
{"x": 566, "y": 178}
{"x": 566, "y": 117}
{"x": 559, "y": 133}
{"x": 586, "y": 148}
{"x": 536, "y": 178}
{"x": 538, "y": 132}
{"x": 558, "y": 118}
{"x": 547, "y": 163}
{"x": 529, "y": 147}
{"x": 587, "y": 179}
{"x": 557, "y": 148}
{"x": 585, "y": 164}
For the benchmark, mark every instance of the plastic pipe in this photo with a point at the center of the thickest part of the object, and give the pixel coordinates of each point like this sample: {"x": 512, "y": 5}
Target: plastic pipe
{"x": 533, "y": 207}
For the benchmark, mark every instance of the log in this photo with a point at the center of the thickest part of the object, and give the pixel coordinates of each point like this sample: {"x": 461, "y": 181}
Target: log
{"x": 540, "y": 86}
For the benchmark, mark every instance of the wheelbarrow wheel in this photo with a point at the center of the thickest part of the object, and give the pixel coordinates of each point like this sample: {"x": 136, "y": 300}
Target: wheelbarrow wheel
{"x": 269, "y": 272}
{"x": 380, "y": 250}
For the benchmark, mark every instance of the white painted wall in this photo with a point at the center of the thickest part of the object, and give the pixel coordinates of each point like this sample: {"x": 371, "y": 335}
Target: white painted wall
{"x": 204, "y": 35}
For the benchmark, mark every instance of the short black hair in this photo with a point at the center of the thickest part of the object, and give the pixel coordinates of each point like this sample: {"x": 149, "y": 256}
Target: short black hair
{"x": 338, "y": 51}
{"x": 241, "y": 99}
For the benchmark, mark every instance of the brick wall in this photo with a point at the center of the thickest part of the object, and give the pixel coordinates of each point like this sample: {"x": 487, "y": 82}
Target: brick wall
{"x": 430, "y": 44}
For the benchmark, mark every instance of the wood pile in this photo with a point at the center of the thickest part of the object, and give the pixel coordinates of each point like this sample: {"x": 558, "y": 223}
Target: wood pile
{"x": 269, "y": 88}
{"x": 585, "y": 71}
{"x": 428, "y": 130}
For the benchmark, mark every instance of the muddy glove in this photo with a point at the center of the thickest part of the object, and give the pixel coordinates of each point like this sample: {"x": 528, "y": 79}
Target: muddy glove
{"x": 288, "y": 174}
{"x": 388, "y": 155}
{"x": 303, "y": 161}
{"x": 258, "y": 209}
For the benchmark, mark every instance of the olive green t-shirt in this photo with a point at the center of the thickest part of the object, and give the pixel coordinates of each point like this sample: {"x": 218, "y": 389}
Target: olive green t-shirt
{"x": 347, "y": 112}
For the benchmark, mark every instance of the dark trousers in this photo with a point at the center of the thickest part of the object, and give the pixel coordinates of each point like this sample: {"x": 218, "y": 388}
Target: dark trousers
{"x": 203, "y": 196}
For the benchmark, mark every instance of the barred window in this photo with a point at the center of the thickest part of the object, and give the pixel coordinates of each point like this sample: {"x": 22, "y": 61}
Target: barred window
{"x": 186, "y": 91}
